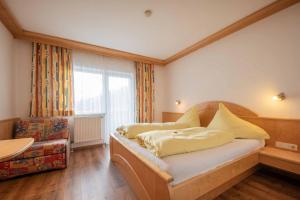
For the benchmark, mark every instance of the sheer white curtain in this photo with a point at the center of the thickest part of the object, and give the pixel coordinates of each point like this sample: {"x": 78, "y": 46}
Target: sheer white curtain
{"x": 100, "y": 87}
{"x": 120, "y": 100}
{"x": 88, "y": 90}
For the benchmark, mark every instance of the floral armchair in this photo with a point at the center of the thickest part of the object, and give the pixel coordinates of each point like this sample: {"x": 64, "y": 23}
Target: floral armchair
{"x": 50, "y": 150}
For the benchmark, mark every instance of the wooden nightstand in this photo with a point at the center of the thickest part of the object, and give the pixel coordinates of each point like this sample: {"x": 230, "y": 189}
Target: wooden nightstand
{"x": 281, "y": 159}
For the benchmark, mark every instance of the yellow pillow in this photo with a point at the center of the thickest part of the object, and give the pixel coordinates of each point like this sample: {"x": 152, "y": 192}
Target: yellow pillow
{"x": 227, "y": 121}
{"x": 190, "y": 117}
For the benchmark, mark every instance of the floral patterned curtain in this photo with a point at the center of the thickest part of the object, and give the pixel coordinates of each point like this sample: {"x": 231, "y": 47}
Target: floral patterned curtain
{"x": 51, "y": 81}
{"x": 145, "y": 92}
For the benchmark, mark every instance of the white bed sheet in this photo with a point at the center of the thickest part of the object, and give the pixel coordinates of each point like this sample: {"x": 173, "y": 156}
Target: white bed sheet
{"x": 185, "y": 166}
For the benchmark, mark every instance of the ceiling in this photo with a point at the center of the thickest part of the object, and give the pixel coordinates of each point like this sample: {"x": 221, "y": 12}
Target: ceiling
{"x": 121, "y": 24}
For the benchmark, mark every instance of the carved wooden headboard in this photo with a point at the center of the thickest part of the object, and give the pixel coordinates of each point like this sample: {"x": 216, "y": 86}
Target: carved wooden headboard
{"x": 283, "y": 130}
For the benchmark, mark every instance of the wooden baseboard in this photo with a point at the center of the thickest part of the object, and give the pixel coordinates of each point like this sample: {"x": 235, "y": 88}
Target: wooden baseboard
{"x": 86, "y": 145}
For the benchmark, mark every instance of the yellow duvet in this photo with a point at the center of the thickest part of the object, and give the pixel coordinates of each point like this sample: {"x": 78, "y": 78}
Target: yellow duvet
{"x": 131, "y": 131}
{"x": 169, "y": 142}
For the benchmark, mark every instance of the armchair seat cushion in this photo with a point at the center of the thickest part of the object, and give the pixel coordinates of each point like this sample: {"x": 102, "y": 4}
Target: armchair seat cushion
{"x": 14, "y": 168}
{"x": 44, "y": 148}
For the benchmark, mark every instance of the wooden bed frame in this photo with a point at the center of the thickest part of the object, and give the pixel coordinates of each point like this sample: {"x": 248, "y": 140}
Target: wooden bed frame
{"x": 149, "y": 182}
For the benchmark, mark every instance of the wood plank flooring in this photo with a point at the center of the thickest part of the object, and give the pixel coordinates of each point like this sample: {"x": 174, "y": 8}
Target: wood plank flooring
{"x": 265, "y": 184}
{"x": 92, "y": 176}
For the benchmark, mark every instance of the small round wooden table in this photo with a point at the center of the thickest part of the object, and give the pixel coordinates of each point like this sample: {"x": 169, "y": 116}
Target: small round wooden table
{"x": 11, "y": 148}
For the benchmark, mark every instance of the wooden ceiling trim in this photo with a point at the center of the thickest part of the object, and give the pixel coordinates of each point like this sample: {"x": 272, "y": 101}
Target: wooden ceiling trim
{"x": 8, "y": 20}
{"x": 72, "y": 44}
{"x": 240, "y": 24}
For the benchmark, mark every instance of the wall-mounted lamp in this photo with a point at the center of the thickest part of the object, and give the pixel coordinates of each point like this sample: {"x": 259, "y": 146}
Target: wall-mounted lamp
{"x": 279, "y": 97}
{"x": 177, "y": 102}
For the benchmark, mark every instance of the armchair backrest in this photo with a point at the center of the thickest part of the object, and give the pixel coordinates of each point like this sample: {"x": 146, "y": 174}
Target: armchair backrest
{"x": 42, "y": 129}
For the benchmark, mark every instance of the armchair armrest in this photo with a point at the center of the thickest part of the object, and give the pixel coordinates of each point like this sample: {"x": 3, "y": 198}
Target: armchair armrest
{"x": 6, "y": 128}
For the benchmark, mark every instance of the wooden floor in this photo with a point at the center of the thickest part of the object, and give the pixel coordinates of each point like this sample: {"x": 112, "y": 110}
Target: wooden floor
{"x": 92, "y": 176}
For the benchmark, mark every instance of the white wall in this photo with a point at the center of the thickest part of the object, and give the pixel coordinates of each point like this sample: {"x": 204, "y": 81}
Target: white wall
{"x": 22, "y": 76}
{"x": 6, "y": 74}
{"x": 247, "y": 67}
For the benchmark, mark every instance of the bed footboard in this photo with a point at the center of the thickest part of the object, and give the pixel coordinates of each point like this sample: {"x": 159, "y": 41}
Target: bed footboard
{"x": 150, "y": 183}
{"x": 147, "y": 181}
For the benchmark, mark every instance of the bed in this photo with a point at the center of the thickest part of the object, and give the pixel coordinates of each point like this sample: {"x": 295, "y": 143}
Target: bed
{"x": 185, "y": 166}
{"x": 182, "y": 176}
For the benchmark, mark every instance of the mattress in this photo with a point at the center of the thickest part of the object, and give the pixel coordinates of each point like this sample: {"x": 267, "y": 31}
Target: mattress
{"x": 185, "y": 166}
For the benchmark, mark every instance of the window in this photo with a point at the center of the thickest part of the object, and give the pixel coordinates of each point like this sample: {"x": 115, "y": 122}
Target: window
{"x": 88, "y": 91}
{"x": 120, "y": 100}
{"x": 104, "y": 92}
